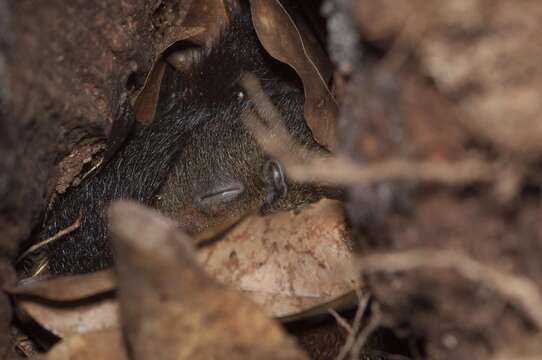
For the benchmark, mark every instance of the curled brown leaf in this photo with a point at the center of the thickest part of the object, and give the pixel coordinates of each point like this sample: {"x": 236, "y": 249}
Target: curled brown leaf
{"x": 103, "y": 345}
{"x": 171, "y": 309}
{"x": 201, "y": 25}
{"x": 282, "y": 39}
{"x": 288, "y": 262}
{"x": 69, "y": 305}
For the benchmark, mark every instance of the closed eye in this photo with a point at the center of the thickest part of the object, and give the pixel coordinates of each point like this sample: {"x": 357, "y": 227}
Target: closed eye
{"x": 219, "y": 196}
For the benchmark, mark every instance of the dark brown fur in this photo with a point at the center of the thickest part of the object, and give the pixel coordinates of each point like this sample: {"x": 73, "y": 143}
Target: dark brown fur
{"x": 196, "y": 148}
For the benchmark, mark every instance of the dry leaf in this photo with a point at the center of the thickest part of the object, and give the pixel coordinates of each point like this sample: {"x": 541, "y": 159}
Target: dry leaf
{"x": 282, "y": 40}
{"x": 70, "y": 305}
{"x": 102, "y": 345}
{"x": 290, "y": 263}
{"x": 286, "y": 262}
{"x": 65, "y": 320}
{"x": 171, "y": 309}
{"x": 201, "y": 25}
{"x": 67, "y": 288}
{"x": 146, "y": 101}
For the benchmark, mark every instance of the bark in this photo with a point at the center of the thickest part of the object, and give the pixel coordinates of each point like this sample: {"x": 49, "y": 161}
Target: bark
{"x": 68, "y": 70}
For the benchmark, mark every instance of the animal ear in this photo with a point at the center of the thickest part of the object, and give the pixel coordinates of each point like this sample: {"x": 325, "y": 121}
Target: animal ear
{"x": 275, "y": 182}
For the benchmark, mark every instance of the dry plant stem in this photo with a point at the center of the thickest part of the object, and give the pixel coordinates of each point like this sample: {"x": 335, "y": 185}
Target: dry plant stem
{"x": 342, "y": 171}
{"x": 351, "y": 339}
{"x": 92, "y": 169}
{"x": 55, "y": 237}
{"x": 41, "y": 268}
{"x": 307, "y": 166}
{"x": 341, "y": 321}
{"x": 373, "y": 324}
{"x": 171, "y": 308}
{"x": 266, "y": 111}
{"x": 520, "y": 291}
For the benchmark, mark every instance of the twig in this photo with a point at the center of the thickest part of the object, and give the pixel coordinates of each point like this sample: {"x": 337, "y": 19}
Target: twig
{"x": 344, "y": 172}
{"x": 49, "y": 240}
{"x": 304, "y": 165}
{"x": 92, "y": 169}
{"x": 520, "y": 291}
{"x": 351, "y": 339}
{"x": 371, "y": 326}
{"x": 341, "y": 321}
{"x": 40, "y": 268}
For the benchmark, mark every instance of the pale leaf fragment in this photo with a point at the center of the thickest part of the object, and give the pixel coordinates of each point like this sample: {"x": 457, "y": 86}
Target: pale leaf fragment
{"x": 287, "y": 262}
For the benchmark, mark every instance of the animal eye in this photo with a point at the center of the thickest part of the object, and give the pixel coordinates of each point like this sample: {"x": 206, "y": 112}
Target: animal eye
{"x": 241, "y": 95}
{"x": 218, "y": 196}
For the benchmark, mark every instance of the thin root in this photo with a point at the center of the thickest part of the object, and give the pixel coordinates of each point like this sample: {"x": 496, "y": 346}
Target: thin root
{"x": 49, "y": 240}
{"x": 519, "y": 290}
